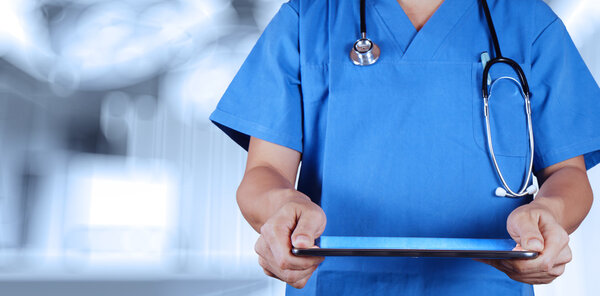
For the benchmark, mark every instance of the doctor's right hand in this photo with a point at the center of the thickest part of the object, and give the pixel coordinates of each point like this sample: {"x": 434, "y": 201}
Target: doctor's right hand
{"x": 297, "y": 223}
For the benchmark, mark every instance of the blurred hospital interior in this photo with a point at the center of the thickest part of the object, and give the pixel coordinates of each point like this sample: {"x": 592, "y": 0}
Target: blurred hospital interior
{"x": 112, "y": 179}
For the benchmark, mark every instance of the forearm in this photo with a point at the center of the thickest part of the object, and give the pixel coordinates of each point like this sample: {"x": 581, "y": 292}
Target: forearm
{"x": 567, "y": 194}
{"x": 262, "y": 192}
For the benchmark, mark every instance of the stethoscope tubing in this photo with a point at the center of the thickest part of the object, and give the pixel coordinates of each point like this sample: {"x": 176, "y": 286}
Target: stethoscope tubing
{"x": 368, "y": 53}
{"x": 523, "y": 191}
{"x": 524, "y": 87}
{"x": 363, "y": 22}
{"x": 514, "y": 65}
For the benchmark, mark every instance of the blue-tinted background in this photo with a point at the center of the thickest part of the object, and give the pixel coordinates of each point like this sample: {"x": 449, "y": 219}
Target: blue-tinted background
{"x": 113, "y": 181}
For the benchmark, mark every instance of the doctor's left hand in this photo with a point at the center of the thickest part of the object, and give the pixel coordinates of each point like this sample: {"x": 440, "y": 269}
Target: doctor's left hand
{"x": 296, "y": 224}
{"x": 535, "y": 228}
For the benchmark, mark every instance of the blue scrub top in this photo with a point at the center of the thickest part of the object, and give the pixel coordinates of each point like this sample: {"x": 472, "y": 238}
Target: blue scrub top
{"x": 398, "y": 148}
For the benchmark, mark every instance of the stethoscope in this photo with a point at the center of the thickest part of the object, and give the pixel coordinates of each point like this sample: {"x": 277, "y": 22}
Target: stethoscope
{"x": 365, "y": 52}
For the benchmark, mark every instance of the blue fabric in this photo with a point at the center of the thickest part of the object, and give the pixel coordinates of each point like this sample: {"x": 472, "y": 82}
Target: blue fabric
{"x": 398, "y": 149}
{"x": 249, "y": 106}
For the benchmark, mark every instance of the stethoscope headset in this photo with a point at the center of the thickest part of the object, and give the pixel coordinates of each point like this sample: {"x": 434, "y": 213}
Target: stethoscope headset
{"x": 365, "y": 52}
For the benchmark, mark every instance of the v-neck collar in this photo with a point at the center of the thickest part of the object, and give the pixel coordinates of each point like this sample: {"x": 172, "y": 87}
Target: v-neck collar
{"x": 422, "y": 44}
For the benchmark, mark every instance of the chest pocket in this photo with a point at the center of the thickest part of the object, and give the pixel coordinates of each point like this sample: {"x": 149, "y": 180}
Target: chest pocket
{"x": 508, "y": 119}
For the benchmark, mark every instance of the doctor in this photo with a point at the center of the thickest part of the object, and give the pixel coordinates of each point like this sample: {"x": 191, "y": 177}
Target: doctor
{"x": 399, "y": 147}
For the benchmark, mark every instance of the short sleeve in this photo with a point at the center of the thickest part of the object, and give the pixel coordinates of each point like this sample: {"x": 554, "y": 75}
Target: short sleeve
{"x": 565, "y": 100}
{"x": 264, "y": 98}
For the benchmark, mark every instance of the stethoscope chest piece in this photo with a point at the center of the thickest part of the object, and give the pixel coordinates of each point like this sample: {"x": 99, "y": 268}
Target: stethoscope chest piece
{"x": 364, "y": 52}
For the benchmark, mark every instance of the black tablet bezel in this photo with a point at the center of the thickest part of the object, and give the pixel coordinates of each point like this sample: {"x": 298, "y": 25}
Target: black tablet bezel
{"x": 478, "y": 254}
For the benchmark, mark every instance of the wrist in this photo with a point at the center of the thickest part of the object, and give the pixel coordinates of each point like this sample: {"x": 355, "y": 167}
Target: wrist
{"x": 278, "y": 197}
{"x": 553, "y": 206}
{"x": 262, "y": 209}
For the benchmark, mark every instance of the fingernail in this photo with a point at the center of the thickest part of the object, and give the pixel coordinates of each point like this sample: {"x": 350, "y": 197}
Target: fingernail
{"x": 302, "y": 240}
{"x": 535, "y": 244}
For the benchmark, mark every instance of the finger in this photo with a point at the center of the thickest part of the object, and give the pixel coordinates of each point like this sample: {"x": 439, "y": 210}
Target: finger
{"x": 288, "y": 276}
{"x": 513, "y": 266}
{"x": 266, "y": 267}
{"x": 530, "y": 278}
{"x": 310, "y": 225}
{"x": 264, "y": 252}
{"x": 556, "y": 240}
{"x": 523, "y": 228}
{"x": 533, "y": 280}
{"x": 557, "y": 270}
{"x": 261, "y": 248}
{"x": 302, "y": 282}
{"x": 565, "y": 256}
{"x": 522, "y": 267}
{"x": 540, "y": 277}
{"x": 283, "y": 258}
{"x": 278, "y": 240}
{"x": 547, "y": 258}
{"x": 267, "y": 272}
{"x": 528, "y": 274}
{"x": 293, "y": 276}
{"x": 532, "y": 267}
{"x": 553, "y": 272}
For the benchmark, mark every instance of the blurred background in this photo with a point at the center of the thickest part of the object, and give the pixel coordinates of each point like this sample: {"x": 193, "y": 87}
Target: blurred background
{"x": 112, "y": 179}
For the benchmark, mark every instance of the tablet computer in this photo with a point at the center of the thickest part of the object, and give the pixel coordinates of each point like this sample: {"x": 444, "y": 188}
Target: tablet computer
{"x": 416, "y": 247}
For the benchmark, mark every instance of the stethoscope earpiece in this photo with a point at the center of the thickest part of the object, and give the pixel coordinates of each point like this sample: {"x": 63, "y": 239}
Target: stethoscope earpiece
{"x": 501, "y": 192}
{"x": 531, "y": 190}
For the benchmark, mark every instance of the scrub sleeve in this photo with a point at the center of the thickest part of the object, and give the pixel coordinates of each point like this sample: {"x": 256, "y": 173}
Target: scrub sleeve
{"x": 565, "y": 101}
{"x": 264, "y": 98}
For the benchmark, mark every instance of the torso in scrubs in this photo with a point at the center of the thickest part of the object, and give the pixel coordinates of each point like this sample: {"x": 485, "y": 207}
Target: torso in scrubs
{"x": 399, "y": 148}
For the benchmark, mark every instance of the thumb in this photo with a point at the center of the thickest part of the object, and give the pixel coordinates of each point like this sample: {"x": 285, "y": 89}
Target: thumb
{"x": 525, "y": 231}
{"x": 309, "y": 227}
